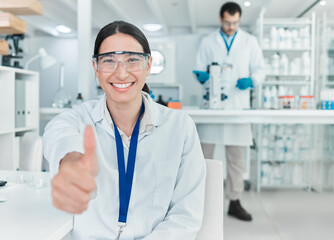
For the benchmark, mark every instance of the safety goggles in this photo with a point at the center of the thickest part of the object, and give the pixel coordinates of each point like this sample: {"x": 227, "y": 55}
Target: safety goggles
{"x": 230, "y": 24}
{"x": 132, "y": 61}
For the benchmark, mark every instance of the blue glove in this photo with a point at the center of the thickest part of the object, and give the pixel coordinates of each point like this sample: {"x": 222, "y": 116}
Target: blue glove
{"x": 244, "y": 83}
{"x": 202, "y": 76}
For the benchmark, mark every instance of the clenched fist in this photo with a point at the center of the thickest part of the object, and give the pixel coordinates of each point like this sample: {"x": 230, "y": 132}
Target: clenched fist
{"x": 72, "y": 186}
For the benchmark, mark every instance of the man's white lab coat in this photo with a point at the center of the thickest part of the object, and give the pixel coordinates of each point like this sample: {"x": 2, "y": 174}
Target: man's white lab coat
{"x": 247, "y": 60}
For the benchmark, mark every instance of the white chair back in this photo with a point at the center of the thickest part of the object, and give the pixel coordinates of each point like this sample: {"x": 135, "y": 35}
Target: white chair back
{"x": 212, "y": 227}
{"x": 31, "y": 152}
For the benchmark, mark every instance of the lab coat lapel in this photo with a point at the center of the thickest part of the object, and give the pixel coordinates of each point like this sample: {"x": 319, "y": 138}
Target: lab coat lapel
{"x": 157, "y": 117}
{"x": 221, "y": 43}
{"x": 98, "y": 116}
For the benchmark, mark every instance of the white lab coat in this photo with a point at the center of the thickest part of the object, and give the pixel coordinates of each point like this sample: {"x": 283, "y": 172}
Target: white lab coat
{"x": 167, "y": 198}
{"x": 246, "y": 57}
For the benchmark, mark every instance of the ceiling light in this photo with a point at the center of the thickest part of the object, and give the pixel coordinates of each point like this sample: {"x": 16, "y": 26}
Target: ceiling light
{"x": 323, "y": 3}
{"x": 152, "y": 27}
{"x": 63, "y": 29}
{"x": 247, "y": 4}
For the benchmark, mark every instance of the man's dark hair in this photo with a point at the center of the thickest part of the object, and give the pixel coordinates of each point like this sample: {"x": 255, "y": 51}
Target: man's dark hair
{"x": 231, "y": 7}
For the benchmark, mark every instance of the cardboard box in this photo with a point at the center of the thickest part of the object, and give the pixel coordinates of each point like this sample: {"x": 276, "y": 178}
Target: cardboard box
{"x": 10, "y": 24}
{"x": 21, "y": 7}
{"x": 4, "y": 47}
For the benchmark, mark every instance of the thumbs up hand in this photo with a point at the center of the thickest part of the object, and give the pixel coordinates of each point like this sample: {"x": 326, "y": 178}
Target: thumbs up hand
{"x": 72, "y": 186}
{"x": 89, "y": 158}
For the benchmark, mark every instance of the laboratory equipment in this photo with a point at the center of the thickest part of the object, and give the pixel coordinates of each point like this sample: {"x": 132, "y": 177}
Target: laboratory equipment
{"x": 213, "y": 96}
{"x": 62, "y": 99}
{"x": 3, "y": 183}
{"x": 307, "y": 102}
{"x": 287, "y": 102}
{"x": 327, "y": 99}
{"x": 79, "y": 99}
{"x": 16, "y": 50}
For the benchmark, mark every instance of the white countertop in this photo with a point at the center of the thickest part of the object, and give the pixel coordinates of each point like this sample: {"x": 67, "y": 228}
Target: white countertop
{"x": 206, "y": 116}
{"x": 28, "y": 212}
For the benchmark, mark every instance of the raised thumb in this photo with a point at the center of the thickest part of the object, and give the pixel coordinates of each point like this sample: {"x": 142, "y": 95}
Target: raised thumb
{"x": 90, "y": 158}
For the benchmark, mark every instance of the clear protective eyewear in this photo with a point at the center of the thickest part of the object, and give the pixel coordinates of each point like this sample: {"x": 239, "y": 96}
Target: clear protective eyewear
{"x": 132, "y": 61}
{"x": 230, "y": 24}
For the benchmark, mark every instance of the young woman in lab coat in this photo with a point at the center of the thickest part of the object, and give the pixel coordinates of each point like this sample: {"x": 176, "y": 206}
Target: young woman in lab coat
{"x": 161, "y": 195}
{"x": 241, "y": 60}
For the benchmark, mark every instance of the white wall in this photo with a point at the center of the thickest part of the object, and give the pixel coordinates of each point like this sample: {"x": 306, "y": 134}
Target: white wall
{"x": 186, "y": 50}
{"x": 66, "y": 51}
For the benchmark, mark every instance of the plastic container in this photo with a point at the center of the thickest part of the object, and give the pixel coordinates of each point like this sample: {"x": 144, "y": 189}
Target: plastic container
{"x": 287, "y": 102}
{"x": 307, "y": 102}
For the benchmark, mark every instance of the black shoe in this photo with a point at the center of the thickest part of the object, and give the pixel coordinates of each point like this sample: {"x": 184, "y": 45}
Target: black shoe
{"x": 236, "y": 210}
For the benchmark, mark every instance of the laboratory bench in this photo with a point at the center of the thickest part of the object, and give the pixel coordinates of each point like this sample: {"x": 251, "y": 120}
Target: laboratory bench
{"x": 206, "y": 116}
{"x": 27, "y": 212}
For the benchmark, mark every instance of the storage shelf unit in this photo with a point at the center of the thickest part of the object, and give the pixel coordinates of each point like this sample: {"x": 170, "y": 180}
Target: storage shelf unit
{"x": 286, "y": 49}
{"x": 19, "y": 93}
{"x": 325, "y": 74}
{"x": 290, "y": 80}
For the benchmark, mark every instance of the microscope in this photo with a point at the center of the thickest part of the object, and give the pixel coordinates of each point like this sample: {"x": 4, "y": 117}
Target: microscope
{"x": 6, "y": 59}
{"x": 213, "y": 96}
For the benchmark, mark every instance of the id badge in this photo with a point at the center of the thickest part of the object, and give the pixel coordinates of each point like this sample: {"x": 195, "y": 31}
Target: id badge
{"x": 227, "y": 67}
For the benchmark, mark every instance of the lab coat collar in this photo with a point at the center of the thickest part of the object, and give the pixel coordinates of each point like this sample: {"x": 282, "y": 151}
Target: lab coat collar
{"x": 97, "y": 114}
{"x": 220, "y": 40}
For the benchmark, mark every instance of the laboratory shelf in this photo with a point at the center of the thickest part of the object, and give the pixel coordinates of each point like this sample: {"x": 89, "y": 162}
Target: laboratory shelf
{"x": 286, "y": 82}
{"x": 286, "y": 135}
{"x": 287, "y": 21}
{"x": 284, "y": 186}
{"x": 288, "y": 75}
{"x": 25, "y": 129}
{"x": 286, "y": 161}
{"x": 19, "y": 91}
{"x": 286, "y": 49}
{"x": 5, "y": 131}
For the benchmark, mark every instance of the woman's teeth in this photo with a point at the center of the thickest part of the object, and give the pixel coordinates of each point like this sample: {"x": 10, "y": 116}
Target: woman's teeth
{"x": 122, "y": 85}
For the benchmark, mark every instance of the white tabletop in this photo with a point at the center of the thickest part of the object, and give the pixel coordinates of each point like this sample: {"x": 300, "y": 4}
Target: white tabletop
{"x": 205, "y": 116}
{"x": 28, "y": 212}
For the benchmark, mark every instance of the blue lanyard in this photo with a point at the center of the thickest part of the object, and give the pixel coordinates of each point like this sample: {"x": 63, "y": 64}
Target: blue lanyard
{"x": 228, "y": 47}
{"x": 125, "y": 178}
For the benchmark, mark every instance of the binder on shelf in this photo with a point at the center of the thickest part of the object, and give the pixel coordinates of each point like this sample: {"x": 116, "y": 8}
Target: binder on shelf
{"x": 20, "y": 107}
{"x": 29, "y": 99}
{"x": 22, "y": 7}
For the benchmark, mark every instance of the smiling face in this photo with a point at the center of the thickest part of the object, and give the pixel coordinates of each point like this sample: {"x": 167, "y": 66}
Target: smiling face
{"x": 121, "y": 86}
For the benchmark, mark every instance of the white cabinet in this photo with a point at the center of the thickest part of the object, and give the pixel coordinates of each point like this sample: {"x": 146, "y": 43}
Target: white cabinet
{"x": 19, "y": 112}
{"x": 325, "y": 74}
{"x": 285, "y": 152}
{"x": 289, "y": 51}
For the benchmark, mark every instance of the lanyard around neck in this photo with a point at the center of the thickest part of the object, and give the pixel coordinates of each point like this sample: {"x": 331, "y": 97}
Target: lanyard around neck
{"x": 228, "y": 47}
{"x": 125, "y": 178}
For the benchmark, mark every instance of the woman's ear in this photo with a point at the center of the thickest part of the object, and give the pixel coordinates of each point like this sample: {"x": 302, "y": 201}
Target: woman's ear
{"x": 149, "y": 65}
{"x": 95, "y": 69}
